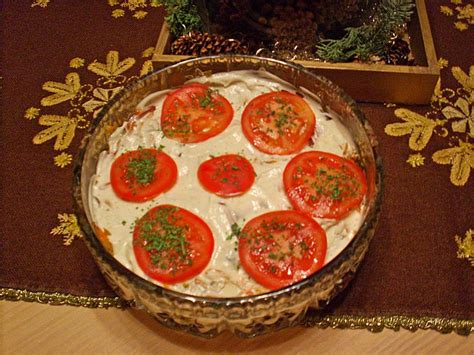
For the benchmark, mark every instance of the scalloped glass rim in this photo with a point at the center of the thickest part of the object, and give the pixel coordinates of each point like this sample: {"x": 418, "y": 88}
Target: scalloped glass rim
{"x": 371, "y": 217}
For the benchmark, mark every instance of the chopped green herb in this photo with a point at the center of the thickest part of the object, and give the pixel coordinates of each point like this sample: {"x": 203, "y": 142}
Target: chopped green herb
{"x": 235, "y": 231}
{"x": 281, "y": 121}
{"x": 164, "y": 239}
{"x": 206, "y": 101}
{"x": 142, "y": 168}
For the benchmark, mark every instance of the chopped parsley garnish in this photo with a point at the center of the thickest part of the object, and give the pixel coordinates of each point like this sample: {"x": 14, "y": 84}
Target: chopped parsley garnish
{"x": 272, "y": 255}
{"x": 281, "y": 121}
{"x": 206, "y": 101}
{"x": 336, "y": 192}
{"x": 235, "y": 231}
{"x": 165, "y": 240}
{"x": 336, "y": 186}
{"x": 141, "y": 170}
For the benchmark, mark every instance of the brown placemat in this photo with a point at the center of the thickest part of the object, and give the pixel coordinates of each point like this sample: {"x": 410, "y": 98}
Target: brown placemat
{"x": 61, "y": 62}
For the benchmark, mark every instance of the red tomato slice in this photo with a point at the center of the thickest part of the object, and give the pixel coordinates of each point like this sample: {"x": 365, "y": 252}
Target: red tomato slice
{"x": 324, "y": 185}
{"x": 227, "y": 175}
{"x": 171, "y": 244}
{"x": 280, "y": 248}
{"x": 278, "y": 123}
{"x": 141, "y": 175}
{"x": 195, "y": 113}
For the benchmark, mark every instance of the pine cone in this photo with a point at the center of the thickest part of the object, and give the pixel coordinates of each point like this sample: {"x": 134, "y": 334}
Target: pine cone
{"x": 398, "y": 52}
{"x": 202, "y": 44}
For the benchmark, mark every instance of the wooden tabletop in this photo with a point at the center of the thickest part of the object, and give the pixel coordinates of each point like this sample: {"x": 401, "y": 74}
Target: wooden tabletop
{"x": 31, "y": 328}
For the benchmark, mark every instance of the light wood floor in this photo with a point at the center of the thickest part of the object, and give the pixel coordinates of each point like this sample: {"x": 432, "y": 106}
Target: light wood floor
{"x": 30, "y": 328}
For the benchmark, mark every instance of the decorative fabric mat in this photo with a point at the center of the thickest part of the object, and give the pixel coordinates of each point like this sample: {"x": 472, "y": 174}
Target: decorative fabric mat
{"x": 60, "y": 65}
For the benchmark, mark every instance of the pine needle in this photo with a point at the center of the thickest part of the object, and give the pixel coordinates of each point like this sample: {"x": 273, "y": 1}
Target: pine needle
{"x": 371, "y": 38}
{"x": 183, "y": 16}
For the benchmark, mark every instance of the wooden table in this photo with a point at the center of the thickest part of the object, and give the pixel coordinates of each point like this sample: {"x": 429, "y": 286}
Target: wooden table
{"x": 31, "y": 328}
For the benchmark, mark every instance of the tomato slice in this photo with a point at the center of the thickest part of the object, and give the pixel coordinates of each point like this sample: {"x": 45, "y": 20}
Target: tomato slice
{"x": 195, "y": 113}
{"x": 171, "y": 244}
{"x": 278, "y": 122}
{"x": 141, "y": 175}
{"x": 227, "y": 175}
{"x": 324, "y": 185}
{"x": 280, "y": 248}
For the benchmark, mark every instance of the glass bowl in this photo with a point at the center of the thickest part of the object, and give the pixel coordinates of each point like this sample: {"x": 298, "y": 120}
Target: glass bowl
{"x": 244, "y": 316}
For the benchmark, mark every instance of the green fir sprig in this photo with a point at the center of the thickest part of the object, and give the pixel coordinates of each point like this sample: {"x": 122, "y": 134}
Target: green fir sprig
{"x": 371, "y": 38}
{"x": 182, "y": 16}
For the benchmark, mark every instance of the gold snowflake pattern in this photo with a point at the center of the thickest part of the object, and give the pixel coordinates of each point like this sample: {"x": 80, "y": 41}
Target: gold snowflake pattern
{"x": 147, "y": 53}
{"x": 134, "y": 4}
{"x": 40, "y": 3}
{"x": 461, "y": 26}
{"x": 147, "y": 68}
{"x": 136, "y": 7}
{"x": 464, "y": 14}
{"x": 451, "y": 117}
{"x": 72, "y": 104}
{"x": 111, "y": 72}
{"x": 466, "y": 246}
{"x": 62, "y": 160}
{"x": 442, "y": 63}
{"x": 76, "y": 63}
{"x": 446, "y": 10}
{"x": 100, "y": 97}
{"x": 31, "y": 113}
{"x": 416, "y": 160}
{"x": 118, "y": 13}
{"x": 140, "y": 14}
{"x": 68, "y": 228}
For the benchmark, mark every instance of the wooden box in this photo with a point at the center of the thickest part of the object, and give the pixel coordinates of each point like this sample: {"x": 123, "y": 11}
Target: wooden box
{"x": 365, "y": 82}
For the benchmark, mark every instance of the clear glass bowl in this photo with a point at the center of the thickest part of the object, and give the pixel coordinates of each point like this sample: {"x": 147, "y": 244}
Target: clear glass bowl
{"x": 244, "y": 316}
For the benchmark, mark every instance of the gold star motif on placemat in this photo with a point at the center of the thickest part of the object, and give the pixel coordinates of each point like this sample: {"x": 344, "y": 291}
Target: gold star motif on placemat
{"x": 40, "y": 3}
{"x": 416, "y": 160}
{"x": 71, "y": 104}
{"x": 31, "y": 113}
{"x": 74, "y": 103}
{"x": 68, "y": 228}
{"x": 138, "y": 8}
{"x": 76, "y": 63}
{"x": 451, "y": 117}
{"x": 62, "y": 160}
{"x": 466, "y": 246}
{"x": 464, "y": 14}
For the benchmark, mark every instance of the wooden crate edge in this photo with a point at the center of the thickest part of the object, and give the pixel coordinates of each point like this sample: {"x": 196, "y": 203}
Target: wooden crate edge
{"x": 425, "y": 76}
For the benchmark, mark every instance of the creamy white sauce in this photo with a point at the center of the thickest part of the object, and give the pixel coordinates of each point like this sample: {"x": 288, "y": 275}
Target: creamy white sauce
{"x": 223, "y": 277}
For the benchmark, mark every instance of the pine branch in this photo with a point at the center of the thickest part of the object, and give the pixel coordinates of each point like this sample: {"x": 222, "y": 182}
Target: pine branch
{"x": 183, "y": 16}
{"x": 371, "y": 38}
